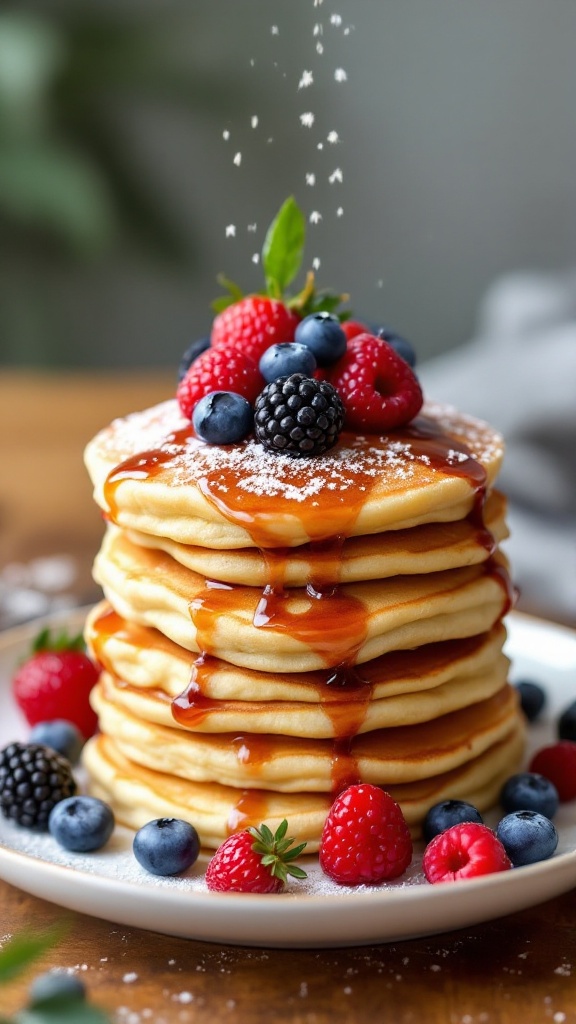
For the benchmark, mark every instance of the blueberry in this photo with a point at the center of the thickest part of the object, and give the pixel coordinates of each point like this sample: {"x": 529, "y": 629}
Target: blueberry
{"x": 62, "y": 736}
{"x": 222, "y": 417}
{"x": 191, "y": 355}
{"x": 567, "y": 723}
{"x": 401, "y": 346}
{"x": 286, "y": 358}
{"x": 532, "y": 698}
{"x": 323, "y": 335}
{"x": 166, "y": 846}
{"x": 81, "y": 823}
{"x": 527, "y": 837}
{"x": 54, "y": 985}
{"x": 447, "y": 813}
{"x": 529, "y": 791}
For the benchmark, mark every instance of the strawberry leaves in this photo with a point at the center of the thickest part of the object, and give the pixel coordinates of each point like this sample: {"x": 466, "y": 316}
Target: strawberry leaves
{"x": 275, "y": 851}
{"x": 282, "y": 256}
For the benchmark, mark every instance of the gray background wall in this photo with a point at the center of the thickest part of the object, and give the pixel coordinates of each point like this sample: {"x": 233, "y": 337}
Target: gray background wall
{"x": 458, "y": 155}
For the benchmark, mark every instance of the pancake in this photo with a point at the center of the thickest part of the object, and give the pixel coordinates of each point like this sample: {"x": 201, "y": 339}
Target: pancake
{"x": 428, "y": 548}
{"x": 152, "y": 475}
{"x": 139, "y": 794}
{"x": 295, "y": 632}
{"x": 276, "y": 628}
{"x": 386, "y": 756}
{"x": 144, "y": 658}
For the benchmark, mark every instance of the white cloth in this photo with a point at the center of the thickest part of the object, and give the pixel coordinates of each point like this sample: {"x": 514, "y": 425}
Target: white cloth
{"x": 519, "y": 373}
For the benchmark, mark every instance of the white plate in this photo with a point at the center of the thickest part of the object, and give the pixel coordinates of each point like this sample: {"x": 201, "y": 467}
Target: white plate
{"x": 111, "y": 885}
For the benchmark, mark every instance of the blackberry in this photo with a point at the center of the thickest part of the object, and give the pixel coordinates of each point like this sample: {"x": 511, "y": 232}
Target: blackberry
{"x": 33, "y": 778}
{"x": 298, "y": 415}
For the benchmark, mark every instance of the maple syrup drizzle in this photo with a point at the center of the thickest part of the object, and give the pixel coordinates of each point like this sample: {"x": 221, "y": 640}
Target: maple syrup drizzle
{"x": 334, "y": 623}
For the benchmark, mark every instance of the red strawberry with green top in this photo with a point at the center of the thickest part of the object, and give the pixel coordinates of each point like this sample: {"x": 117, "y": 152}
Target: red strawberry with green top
{"x": 246, "y": 326}
{"x": 254, "y": 860}
{"x": 55, "y": 682}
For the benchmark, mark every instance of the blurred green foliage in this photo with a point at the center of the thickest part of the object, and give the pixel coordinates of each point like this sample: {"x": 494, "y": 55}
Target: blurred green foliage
{"x": 19, "y": 954}
{"x": 73, "y": 188}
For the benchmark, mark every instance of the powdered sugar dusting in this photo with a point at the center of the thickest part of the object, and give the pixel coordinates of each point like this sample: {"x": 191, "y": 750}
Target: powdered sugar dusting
{"x": 357, "y": 462}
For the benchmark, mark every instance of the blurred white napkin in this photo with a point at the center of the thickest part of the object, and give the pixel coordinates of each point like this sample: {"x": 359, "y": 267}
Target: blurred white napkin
{"x": 519, "y": 373}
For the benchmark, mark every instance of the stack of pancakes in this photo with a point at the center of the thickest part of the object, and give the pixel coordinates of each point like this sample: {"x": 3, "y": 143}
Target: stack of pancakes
{"x": 277, "y": 628}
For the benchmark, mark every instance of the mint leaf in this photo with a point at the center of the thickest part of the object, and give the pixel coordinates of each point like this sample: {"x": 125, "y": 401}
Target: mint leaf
{"x": 283, "y": 248}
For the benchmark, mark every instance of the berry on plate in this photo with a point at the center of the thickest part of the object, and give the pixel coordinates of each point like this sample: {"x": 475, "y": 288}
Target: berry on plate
{"x": 527, "y": 837}
{"x": 365, "y": 839}
{"x": 567, "y": 723}
{"x": 532, "y": 698}
{"x": 529, "y": 791}
{"x": 64, "y": 737}
{"x": 378, "y": 388}
{"x": 447, "y": 813}
{"x": 255, "y": 860}
{"x": 55, "y": 682}
{"x": 557, "y": 762}
{"x": 467, "y": 850}
{"x": 33, "y": 779}
{"x": 81, "y": 823}
{"x": 298, "y": 415}
{"x": 166, "y": 846}
{"x": 222, "y": 417}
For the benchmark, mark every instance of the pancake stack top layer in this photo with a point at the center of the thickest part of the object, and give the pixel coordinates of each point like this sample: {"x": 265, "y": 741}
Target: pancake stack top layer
{"x": 276, "y": 628}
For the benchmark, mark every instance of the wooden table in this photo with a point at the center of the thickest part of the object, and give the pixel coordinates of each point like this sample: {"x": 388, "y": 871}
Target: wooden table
{"x": 521, "y": 968}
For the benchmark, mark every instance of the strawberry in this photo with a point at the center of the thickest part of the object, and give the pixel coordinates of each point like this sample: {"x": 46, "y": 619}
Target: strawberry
{"x": 254, "y": 860}
{"x": 245, "y": 326}
{"x": 55, "y": 682}
{"x": 378, "y": 388}
{"x": 557, "y": 763}
{"x": 219, "y": 370}
{"x": 365, "y": 839}
{"x": 254, "y": 323}
{"x": 467, "y": 850}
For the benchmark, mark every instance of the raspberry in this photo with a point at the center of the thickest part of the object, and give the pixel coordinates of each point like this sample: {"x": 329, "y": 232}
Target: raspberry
{"x": 254, "y": 323}
{"x": 222, "y": 369}
{"x": 557, "y": 763}
{"x": 365, "y": 839}
{"x": 254, "y": 860}
{"x": 376, "y": 385}
{"x": 467, "y": 850}
{"x": 55, "y": 683}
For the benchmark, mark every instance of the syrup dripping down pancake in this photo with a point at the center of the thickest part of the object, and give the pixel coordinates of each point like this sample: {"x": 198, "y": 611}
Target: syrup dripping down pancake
{"x": 150, "y": 474}
{"x": 293, "y": 632}
{"x": 147, "y": 660}
{"x": 139, "y": 794}
{"x": 291, "y": 764}
{"x": 432, "y": 547}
